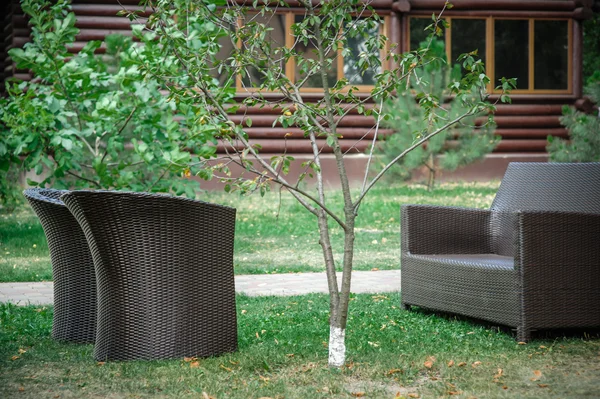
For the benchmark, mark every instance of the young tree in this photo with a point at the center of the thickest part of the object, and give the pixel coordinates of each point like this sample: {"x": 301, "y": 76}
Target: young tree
{"x": 459, "y": 145}
{"x": 180, "y": 45}
{"x": 88, "y": 120}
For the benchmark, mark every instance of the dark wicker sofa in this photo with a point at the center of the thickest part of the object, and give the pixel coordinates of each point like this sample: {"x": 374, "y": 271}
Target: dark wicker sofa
{"x": 72, "y": 268}
{"x": 532, "y": 261}
{"x": 164, "y": 268}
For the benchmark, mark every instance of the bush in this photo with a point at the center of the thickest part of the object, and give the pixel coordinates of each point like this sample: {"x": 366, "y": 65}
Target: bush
{"x": 93, "y": 121}
{"x": 583, "y": 144}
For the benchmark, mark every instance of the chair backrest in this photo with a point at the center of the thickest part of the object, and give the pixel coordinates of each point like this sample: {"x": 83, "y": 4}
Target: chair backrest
{"x": 47, "y": 195}
{"x": 527, "y": 186}
{"x": 569, "y": 187}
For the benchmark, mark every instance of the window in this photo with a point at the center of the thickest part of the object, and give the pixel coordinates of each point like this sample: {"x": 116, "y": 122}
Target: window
{"x": 347, "y": 66}
{"x": 535, "y": 51}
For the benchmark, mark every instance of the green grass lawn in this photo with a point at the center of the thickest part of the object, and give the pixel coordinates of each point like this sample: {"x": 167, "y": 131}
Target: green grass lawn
{"x": 283, "y": 340}
{"x": 273, "y": 234}
{"x": 282, "y": 354}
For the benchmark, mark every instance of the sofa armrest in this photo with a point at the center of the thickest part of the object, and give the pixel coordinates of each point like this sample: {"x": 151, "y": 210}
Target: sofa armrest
{"x": 557, "y": 242}
{"x": 429, "y": 229}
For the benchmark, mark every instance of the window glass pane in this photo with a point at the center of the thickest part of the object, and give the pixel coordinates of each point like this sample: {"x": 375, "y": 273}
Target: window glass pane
{"x": 275, "y": 37}
{"x": 551, "y": 55}
{"x": 308, "y": 51}
{"x": 225, "y": 50}
{"x": 511, "y": 51}
{"x": 418, "y": 33}
{"x": 357, "y": 46}
{"x": 467, "y": 35}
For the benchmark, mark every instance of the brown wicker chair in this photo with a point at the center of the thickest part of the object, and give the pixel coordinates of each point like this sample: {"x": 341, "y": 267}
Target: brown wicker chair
{"x": 532, "y": 261}
{"x": 72, "y": 268}
{"x": 164, "y": 268}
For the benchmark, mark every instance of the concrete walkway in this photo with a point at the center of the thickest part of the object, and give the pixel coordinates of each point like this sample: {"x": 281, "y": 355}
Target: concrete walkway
{"x": 253, "y": 285}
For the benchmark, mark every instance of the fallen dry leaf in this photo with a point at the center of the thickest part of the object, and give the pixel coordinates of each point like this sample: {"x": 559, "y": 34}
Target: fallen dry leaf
{"x": 475, "y": 364}
{"x": 375, "y": 269}
{"x": 521, "y": 343}
{"x": 15, "y": 357}
{"x": 454, "y": 392}
{"x": 244, "y": 311}
{"x": 100, "y": 363}
{"x": 234, "y": 363}
{"x": 195, "y": 365}
{"x": 543, "y": 385}
{"x": 290, "y": 355}
{"x": 428, "y": 364}
{"x": 537, "y": 373}
{"x": 413, "y": 395}
{"x": 451, "y": 363}
{"x": 394, "y": 371}
{"x": 499, "y": 373}
{"x": 21, "y": 388}
{"x": 504, "y": 387}
{"x": 225, "y": 368}
{"x": 21, "y": 351}
{"x": 207, "y": 396}
{"x": 264, "y": 379}
{"x": 462, "y": 364}
{"x": 189, "y": 359}
{"x": 357, "y": 394}
{"x": 542, "y": 347}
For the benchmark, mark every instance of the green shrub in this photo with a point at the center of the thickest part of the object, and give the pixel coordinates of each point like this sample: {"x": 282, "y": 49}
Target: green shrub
{"x": 583, "y": 144}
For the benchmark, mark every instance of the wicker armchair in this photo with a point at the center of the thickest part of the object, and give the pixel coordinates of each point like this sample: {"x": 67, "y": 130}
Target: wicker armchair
{"x": 164, "y": 268}
{"x": 532, "y": 261}
{"x": 72, "y": 268}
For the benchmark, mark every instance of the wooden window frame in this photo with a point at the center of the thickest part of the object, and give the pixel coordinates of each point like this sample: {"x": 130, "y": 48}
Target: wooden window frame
{"x": 490, "y": 51}
{"x": 290, "y": 70}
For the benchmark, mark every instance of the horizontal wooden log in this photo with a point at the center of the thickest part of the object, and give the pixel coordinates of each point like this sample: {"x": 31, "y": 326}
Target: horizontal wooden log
{"x": 530, "y": 5}
{"x": 93, "y": 2}
{"x": 521, "y": 121}
{"x": 533, "y": 145}
{"x": 297, "y": 134}
{"x": 531, "y": 133}
{"x": 107, "y": 10}
{"x": 576, "y": 14}
{"x": 78, "y": 46}
{"x": 86, "y": 35}
{"x": 272, "y": 110}
{"x": 298, "y": 146}
{"x": 267, "y": 120}
{"x": 376, "y": 4}
{"x": 95, "y": 22}
{"x": 528, "y": 109}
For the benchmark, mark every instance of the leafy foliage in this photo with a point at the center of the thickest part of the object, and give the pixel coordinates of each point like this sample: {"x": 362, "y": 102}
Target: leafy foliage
{"x": 591, "y": 50}
{"x": 583, "y": 144}
{"x": 181, "y": 45}
{"x": 89, "y": 120}
{"x": 459, "y": 145}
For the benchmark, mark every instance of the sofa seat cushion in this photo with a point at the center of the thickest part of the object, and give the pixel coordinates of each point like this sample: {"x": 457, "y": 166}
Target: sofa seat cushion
{"x": 491, "y": 261}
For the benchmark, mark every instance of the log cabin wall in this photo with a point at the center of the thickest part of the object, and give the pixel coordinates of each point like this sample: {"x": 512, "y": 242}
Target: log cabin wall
{"x": 523, "y": 125}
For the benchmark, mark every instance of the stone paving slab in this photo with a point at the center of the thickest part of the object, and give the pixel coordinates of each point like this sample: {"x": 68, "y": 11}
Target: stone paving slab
{"x": 253, "y": 285}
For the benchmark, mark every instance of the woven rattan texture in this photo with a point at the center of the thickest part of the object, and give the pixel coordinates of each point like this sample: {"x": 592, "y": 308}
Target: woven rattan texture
{"x": 72, "y": 268}
{"x": 532, "y": 261}
{"x": 165, "y": 274}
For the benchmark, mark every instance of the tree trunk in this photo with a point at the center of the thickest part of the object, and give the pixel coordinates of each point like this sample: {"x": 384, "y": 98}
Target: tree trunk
{"x": 339, "y": 299}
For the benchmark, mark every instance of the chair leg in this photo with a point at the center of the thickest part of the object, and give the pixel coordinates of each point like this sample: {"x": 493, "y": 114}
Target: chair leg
{"x": 405, "y": 306}
{"x": 523, "y": 334}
